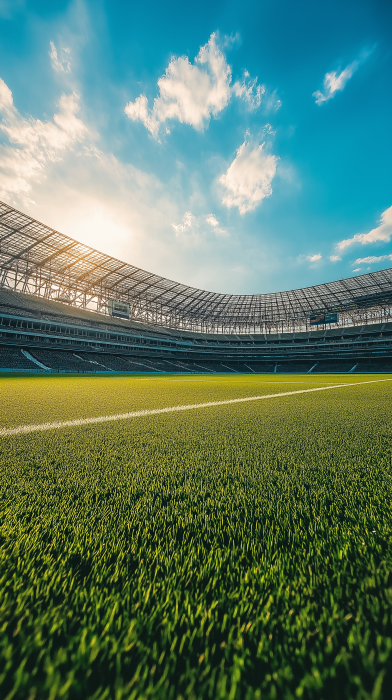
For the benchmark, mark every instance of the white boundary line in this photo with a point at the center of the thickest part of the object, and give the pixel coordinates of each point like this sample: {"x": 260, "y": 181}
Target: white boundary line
{"x": 23, "y": 429}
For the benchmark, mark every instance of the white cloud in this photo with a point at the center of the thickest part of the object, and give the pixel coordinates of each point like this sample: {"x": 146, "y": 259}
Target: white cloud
{"x": 138, "y": 111}
{"x": 62, "y": 64}
{"x": 92, "y": 151}
{"x": 32, "y": 143}
{"x": 357, "y": 269}
{"x": 190, "y": 93}
{"x": 334, "y": 82}
{"x": 334, "y": 258}
{"x": 90, "y": 195}
{"x": 212, "y": 220}
{"x": 194, "y": 92}
{"x": 272, "y": 103}
{"x": 214, "y": 223}
{"x": 46, "y": 169}
{"x": 248, "y": 178}
{"x": 109, "y": 205}
{"x": 195, "y": 228}
{"x": 6, "y": 101}
{"x": 185, "y": 224}
{"x": 383, "y": 232}
{"x": 373, "y": 259}
{"x": 249, "y": 91}
{"x": 314, "y": 258}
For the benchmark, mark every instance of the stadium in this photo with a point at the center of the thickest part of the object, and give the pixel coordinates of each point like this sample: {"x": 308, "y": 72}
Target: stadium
{"x": 196, "y": 487}
{"x": 65, "y": 307}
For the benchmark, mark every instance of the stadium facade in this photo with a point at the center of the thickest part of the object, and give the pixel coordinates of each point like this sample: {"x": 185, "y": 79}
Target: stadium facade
{"x": 61, "y": 304}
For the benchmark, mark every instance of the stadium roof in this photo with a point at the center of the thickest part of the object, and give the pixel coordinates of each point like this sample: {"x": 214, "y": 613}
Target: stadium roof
{"x": 39, "y": 260}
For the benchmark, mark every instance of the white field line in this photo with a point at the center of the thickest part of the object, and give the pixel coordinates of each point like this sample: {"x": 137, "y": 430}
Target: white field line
{"x": 22, "y": 429}
{"x": 237, "y": 381}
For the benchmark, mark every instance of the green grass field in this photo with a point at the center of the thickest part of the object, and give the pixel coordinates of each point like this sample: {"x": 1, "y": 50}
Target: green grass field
{"x": 237, "y": 551}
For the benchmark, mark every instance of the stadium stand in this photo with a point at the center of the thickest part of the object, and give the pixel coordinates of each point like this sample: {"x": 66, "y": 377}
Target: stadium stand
{"x": 114, "y": 363}
{"x": 61, "y": 360}
{"x": 98, "y": 344}
{"x": 13, "y": 358}
{"x": 373, "y": 366}
{"x": 55, "y": 302}
{"x": 334, "y": 366}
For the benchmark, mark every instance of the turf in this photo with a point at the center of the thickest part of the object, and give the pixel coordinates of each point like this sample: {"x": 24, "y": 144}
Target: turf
{"x": 239, "y": 551}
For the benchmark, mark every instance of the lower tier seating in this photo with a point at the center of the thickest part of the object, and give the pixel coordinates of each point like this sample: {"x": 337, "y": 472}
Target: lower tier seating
{"x": 332, "y": 366}
{"x": 13, "y": 358}
{"x": 373, "y": 366}
{"x": 212, "y": 366}
{"x": 262, "y": 367}
{"x": 302, "y": 366}
{"x": 114, "y": 363}
{"x": 62, "y": 360}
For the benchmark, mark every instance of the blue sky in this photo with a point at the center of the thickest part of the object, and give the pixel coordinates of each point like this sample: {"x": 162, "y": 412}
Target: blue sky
{"x": 240, "y": 147}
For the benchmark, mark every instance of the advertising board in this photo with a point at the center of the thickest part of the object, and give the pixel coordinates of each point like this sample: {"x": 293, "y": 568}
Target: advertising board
{"x": 118, "y": 308}
{"x": 317, "y": 319}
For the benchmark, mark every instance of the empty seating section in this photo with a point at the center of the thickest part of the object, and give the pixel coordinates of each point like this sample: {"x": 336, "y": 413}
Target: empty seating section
{"x": 61, "y": 360}
{"x": 333, "y": 366}
{"x": 302, "y": 367}
{"x": 13, "y": 358}
{"x": 110, "y": 363}
{"x": 262, "y": 367}
{"x": 136, "y": 364}
{"x": 374, "y": 366}
{"x": 211, "y": 366}
{"x": 235, "y": 367}
{"x": 199, "y": 366}
{"x": 177, "y": 366}
{"x": 147, "y": 365}
{"x": 96, "y": 363}
{"x": 105, "y": 362}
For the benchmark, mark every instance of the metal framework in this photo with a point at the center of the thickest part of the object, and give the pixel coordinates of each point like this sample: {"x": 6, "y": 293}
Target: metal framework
{"x": 36, "y": 259}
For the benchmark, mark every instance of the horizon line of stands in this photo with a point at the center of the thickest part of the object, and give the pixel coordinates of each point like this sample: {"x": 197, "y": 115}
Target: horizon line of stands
{"x": 14, "y": 359}
{"x": 40, "y": 335}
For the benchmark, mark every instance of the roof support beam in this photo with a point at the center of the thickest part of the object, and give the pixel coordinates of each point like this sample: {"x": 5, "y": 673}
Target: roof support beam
{"x": 71, "y": 265}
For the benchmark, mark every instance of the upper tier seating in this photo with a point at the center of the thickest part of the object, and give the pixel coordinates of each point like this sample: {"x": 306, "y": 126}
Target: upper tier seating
{"x": 38, "y": 307}
{"x": 30, "y": 306}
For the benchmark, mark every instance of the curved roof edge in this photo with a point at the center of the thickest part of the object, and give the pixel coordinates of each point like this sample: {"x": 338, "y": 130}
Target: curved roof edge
{"x": 37, "y": 259}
